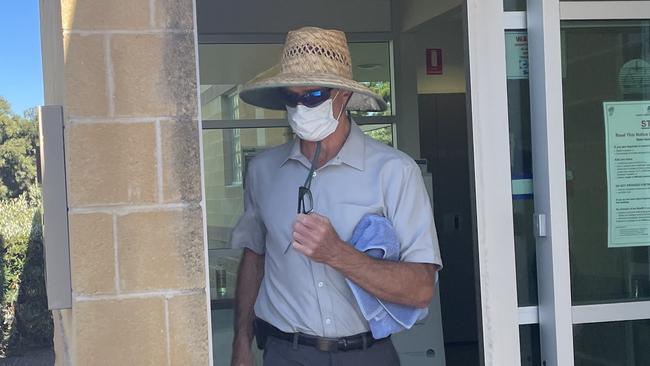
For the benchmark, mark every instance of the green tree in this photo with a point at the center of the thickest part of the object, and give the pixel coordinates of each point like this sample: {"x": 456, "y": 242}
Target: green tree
{"x": 18, "y": 149}
{"x": 383, "y": 135}
{"x": 381, "y": 88}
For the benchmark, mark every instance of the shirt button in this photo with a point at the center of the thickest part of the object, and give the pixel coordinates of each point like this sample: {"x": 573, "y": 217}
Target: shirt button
{"x": 328, "y": 320}
{"x": 320, "y": 284}
{"x": 314, "y": 175}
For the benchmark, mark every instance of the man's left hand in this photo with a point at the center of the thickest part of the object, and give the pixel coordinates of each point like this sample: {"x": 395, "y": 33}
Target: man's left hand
{"x": 314, "y": 236}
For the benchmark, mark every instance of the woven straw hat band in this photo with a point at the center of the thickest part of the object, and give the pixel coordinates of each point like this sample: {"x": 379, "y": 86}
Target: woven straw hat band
{"x": 317, "y": 51}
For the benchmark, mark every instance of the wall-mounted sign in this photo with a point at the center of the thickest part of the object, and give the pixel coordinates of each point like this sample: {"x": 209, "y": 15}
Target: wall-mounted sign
{"x": 627, "y": 138}
{"x": 517, "y": 55}
{"x": 434, "y": 61}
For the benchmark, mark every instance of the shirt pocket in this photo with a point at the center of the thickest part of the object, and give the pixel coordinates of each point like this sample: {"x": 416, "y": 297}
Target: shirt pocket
{"x": 345, "y": 216}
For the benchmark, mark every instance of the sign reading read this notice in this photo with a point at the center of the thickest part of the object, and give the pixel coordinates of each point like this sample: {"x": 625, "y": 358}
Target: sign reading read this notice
{"x": 627, "y": 135}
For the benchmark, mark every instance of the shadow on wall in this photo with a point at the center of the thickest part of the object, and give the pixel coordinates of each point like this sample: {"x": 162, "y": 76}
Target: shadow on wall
{"x": 26, "y": 321}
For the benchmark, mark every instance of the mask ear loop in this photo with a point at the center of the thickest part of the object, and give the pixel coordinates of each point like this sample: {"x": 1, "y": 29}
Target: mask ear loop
{"x": 343, "y": 106}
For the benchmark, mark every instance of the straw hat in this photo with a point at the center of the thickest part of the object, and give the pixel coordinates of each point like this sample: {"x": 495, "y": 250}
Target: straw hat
{"x": 312, "y": 57}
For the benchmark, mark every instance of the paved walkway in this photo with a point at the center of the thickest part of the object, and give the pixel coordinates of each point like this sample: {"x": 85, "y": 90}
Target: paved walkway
{"x": 38, "y": 357}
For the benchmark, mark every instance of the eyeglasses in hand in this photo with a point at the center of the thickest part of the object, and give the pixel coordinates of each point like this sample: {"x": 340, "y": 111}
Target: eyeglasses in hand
{"x": 305, "y": 200}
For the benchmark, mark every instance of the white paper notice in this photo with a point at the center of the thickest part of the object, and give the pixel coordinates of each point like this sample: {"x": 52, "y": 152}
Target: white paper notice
{"x": 627, "y": 134}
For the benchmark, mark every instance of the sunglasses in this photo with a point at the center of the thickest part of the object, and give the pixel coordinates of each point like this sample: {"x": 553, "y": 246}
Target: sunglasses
{"x": 310, "y": 99}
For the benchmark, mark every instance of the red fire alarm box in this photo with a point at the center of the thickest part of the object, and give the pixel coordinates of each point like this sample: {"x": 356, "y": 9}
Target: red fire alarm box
{"x": 434, "y": 61}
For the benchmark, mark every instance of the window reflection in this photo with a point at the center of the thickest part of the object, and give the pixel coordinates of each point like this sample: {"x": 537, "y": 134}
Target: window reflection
{"x": 612, "y": 343}
{"x": 596, "y": 62}
{"x": 521, "y": 166}
{"x": 225, "y": 68}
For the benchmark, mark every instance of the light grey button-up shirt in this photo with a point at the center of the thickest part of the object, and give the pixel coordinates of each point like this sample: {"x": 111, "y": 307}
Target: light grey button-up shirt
{"x": 300, "y": 295}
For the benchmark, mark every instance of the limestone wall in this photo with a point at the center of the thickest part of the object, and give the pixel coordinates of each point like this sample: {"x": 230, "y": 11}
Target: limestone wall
{"x": 127, "y": 80}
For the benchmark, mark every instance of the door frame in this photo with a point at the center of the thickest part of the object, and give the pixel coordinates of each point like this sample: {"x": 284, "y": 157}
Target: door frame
{"x": 490, "y": 154}
{"x": 555, "y": 313}
{"x": 485, "y": 48}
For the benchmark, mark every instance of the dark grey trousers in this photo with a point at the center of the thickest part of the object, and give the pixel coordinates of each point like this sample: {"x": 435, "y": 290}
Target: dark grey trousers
{"x": 278, "y": 352}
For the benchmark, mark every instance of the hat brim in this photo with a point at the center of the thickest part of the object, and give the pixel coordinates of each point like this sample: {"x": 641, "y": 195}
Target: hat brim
{"x": 267, "y": 93}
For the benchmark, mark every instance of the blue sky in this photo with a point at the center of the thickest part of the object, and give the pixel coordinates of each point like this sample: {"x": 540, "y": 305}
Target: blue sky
{"x": 21, "y": 75}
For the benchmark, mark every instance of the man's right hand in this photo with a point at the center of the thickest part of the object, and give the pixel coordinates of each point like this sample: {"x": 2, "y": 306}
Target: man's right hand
{"x": 249, "y": 278}
{"x": 242, "y": 354}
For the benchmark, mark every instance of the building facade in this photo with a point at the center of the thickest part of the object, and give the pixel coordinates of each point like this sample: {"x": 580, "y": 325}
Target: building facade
{"x": 517, "y": 113}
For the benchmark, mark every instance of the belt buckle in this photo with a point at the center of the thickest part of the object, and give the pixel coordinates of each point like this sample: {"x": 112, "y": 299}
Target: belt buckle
{"x": 326, "y": 345}
{"x": 342, "y": 344}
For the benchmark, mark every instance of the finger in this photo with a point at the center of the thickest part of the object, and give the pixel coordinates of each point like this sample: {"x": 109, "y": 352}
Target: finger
{"x": 311, "y": 221}
{"x": 301, "y": 228}
{"x": 306, "y": 237}
{"x": 317, "y": 219}
{"x": 301, "y": 238}
{"x": 301, "y": 248}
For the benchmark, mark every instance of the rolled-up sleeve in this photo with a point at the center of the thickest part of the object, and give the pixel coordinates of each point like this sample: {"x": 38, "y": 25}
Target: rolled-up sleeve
{"x": 250, "y": 231}
{"x": 409, "y": 210}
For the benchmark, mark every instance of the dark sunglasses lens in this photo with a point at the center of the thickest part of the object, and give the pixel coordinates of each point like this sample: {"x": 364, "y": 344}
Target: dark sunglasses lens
{"x": 310, "y": 99}
{"x": 315, "y": 97}
{"x": 291, "y": 100}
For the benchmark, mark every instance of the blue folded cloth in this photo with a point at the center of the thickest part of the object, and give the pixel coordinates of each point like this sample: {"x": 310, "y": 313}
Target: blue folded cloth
{"x": 375, "y": 236}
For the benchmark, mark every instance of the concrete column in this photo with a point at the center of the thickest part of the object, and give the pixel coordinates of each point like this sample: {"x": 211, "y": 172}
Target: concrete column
{"x": 128, "y": 83}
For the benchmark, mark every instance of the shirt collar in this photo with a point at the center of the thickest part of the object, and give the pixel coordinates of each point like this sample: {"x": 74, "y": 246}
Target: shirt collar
{"x": 352, "y": 153}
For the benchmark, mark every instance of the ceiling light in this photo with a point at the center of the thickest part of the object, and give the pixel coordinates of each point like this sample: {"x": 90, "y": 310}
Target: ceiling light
{"x": 368, "y": 66}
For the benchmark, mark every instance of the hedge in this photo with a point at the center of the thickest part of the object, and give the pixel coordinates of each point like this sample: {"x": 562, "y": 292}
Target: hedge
{"x": 26, "y": 321}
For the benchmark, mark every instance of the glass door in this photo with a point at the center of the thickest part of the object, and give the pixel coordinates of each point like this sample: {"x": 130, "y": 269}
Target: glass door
{"x": 235, "y": 132}
{"x": 590, "y": 107}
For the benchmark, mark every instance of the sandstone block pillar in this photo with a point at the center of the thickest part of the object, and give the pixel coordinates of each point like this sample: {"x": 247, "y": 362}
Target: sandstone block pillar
{"x": 125, "y": 72}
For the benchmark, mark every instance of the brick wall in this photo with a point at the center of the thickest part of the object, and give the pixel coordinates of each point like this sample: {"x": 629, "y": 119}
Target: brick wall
{"x": 129, "y": 92}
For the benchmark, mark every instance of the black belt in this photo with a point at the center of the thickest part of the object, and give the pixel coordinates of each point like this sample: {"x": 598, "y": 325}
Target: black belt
{"x": 358, "y": 341}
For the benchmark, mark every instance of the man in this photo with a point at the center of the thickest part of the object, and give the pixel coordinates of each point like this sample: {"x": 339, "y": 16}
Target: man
{"x": 294, "y": 265}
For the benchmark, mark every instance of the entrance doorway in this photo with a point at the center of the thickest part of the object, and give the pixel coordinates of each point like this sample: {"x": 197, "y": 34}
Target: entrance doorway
{"x": 418, "y": 64}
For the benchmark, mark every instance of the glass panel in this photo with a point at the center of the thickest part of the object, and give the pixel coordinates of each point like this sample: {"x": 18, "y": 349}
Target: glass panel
{"x": 521, "y": 166}
{"x": 514, "y": 5}
{"x": 612, "y": 344}
{"x": 224, "y": 68}
{"x": 603, "y": 62}
{"x": 529, "y": 340}
{"x": 382, "y": 133}
{"x": 222, "y": 334}
{"x": 226, "y": 154}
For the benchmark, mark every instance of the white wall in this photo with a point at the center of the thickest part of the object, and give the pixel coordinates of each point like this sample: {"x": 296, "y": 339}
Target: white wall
{"x": 415, "y": 12}
{"x": 280, "y": 16}
{"x": 446, "y": 32}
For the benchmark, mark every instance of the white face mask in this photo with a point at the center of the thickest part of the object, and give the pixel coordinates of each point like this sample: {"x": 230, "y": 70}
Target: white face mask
{"x": 313, "y": 124}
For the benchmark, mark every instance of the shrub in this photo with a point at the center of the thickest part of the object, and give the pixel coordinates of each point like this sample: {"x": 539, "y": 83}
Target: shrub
{"x": 25, "y": 319}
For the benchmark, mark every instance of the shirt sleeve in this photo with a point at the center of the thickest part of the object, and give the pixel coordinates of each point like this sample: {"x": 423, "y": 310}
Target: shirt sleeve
{"x": 410, "y": 211}
{"x": 250, "y": 231}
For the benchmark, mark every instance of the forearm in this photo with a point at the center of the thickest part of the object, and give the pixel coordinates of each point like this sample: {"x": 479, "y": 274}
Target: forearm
{"x": 249, "y": 278}
{"x": 398, "y": 282}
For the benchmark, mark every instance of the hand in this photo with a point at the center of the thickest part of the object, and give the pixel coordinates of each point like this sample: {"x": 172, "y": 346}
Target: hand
{"x": 242, "y": 355}
{"x": 314, "y": 236}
